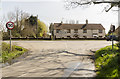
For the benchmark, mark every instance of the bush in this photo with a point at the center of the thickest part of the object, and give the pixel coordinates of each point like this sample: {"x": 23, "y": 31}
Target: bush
{"x": 19, "y": 48}
{"x": 5, "y": 35}
{"x": 8, "y": 55}
{"x": 17, "y": 35}
{"x": 107, "y": 62}
{"x": 118, "y": 45}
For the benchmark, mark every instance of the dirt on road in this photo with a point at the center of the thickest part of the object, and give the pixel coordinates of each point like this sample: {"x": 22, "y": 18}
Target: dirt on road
{"x": 56, "y": 59}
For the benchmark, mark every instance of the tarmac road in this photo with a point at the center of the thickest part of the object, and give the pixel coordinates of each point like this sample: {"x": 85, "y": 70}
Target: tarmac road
{"x": 55, "y": 59}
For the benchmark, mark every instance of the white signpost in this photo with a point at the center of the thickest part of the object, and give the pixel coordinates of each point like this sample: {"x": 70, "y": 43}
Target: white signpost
{"x": 10, "y": 26}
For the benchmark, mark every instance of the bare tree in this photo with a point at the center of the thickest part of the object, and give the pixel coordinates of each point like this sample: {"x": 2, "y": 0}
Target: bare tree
{"x": 11, "y": 16}
{"x": 76, "y": 3}
{"x": 17, "y": 14}
{"x": 23, "y": 16}
{"x": 2, "y": 23}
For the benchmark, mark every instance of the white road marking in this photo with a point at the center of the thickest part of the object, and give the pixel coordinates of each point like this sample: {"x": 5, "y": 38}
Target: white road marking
{"x": 71, "y": 68}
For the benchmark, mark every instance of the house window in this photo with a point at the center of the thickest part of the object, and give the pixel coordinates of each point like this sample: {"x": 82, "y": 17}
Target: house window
{"x": 100, "y": 31}
{"x": 75, "y": 30}
{"x": 58, "y": 31}
{"x": 68, "y": 31}
{"x": 85, "y": 31}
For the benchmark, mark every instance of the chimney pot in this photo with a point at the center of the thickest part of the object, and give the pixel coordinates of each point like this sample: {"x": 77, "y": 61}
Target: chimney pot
{"x": 86, "y": 21}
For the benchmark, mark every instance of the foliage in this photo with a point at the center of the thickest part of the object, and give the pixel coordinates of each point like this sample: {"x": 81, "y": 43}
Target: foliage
{"x": 28, "y": 32}
{"x": 107, "y": 62}
{"x": 32, "y": 20}
{"x": 8, "y": 55}
{"x": 5, "y": 35}
{"x": 42, "y": 29}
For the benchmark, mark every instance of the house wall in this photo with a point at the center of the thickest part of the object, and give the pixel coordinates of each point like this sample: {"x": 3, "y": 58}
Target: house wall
{"x": 80, "y": 33}
{"x": 102, "y": 34}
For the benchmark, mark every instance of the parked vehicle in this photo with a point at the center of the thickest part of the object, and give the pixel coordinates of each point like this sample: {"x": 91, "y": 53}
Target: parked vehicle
{"x": 109, "y": 38}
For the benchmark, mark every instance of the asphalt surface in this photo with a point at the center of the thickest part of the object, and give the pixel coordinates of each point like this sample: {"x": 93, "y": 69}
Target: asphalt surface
{"x": 55, "y": 59}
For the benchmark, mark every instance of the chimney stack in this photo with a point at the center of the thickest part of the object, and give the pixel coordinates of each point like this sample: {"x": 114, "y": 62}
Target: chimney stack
{"x": 77, "y": 22}
{"x": 86, "y": 21}
{"x": 61, "y": 22}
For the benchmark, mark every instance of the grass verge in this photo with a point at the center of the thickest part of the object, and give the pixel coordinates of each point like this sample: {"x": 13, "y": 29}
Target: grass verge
{"x": 107, "y": 62}
{"x": 7, "y": 55}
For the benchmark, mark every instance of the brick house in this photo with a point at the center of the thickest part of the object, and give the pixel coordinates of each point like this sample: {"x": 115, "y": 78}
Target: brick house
{"x": 62, "y": 30}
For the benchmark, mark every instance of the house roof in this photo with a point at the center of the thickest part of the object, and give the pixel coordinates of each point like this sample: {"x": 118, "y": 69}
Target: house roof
{"x": 117, "y": 30}
{"x": 78, "y": 26}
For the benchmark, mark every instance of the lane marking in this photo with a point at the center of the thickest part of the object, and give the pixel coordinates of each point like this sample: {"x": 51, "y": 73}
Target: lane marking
{"x": 71, "y": 68}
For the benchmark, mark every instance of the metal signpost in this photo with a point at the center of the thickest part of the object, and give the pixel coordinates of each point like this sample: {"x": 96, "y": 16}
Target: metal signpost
{"x": 112, "y": 28}
{"x": 10, "y": 26}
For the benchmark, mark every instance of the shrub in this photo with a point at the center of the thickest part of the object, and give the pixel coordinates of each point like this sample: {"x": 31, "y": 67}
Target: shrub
{"x": 107, "y": 62}
{"x": 7, "y": 55}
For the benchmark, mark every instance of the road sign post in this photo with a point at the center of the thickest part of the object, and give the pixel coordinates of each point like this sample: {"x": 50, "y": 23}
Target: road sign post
{"x": 10, "y": 26}
{"x": 10, "y": 42}
{"x": 112, "y": 42}
{"x": 112, "y": 28}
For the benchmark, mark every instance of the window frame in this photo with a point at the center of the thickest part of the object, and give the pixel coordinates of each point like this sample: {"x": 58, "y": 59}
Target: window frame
{"x": 84, "y": 30}
{"x": 100, "y": 31}
{"x": 75, "y": 30}
{"x": 68, "y": 30}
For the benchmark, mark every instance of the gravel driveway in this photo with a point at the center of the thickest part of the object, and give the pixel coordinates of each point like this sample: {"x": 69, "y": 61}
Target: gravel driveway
{"x": 55, "y": 59}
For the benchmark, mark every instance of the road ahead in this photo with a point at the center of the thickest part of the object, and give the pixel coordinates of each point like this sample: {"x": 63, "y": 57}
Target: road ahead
{"x": 55, "y": 59}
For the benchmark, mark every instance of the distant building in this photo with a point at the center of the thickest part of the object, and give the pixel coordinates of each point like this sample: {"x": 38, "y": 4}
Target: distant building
{"x": 62, "y": 30}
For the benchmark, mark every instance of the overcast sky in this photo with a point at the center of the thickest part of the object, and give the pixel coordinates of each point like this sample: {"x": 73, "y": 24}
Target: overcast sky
{"x": 51, "y": 11}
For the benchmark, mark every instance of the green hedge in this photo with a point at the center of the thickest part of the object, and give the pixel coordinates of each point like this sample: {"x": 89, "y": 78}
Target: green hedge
{"x": 8, "y": 55}
{"x": 107, "y": 62}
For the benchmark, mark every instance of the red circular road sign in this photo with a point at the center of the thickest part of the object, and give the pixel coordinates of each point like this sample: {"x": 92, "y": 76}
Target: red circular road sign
{"x": 10, "y": 25}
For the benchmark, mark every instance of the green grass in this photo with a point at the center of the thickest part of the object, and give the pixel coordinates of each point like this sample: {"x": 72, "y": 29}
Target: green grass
{"x": 8, "y": 55}
{"x": 107, "y": 62}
